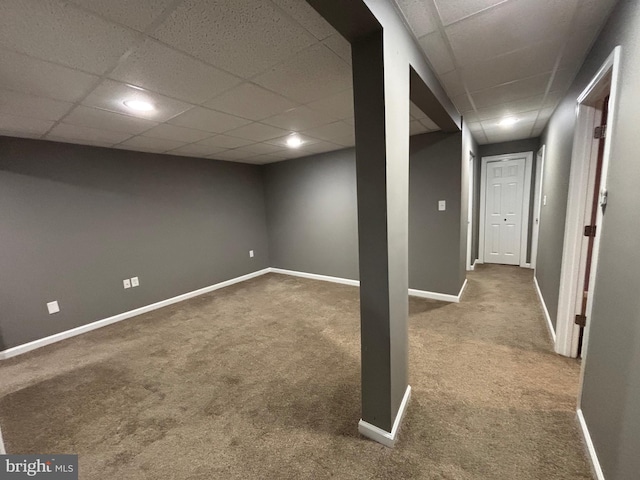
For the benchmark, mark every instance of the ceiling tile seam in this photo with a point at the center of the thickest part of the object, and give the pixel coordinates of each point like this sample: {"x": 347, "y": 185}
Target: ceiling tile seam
{"x": 139, "y": 39}
{"x": 490, "y": 7}
{"x": 445, "y": 39}
{"x": 291, "y": 18}
{"x": 511, "y": 82}
{"x": 556, "y": 66}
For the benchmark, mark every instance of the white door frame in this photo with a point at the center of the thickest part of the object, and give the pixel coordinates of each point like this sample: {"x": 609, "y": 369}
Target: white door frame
{"x": 537, "y": 205}
{"x": 584, "y": 150}
{"x": 524, "y": 232}
{"x": 472, "y": 158}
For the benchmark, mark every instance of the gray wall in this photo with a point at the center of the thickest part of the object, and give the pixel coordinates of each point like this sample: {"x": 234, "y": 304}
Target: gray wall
{"x": 78, "y": 220}
{"x": 611, "y": 390}
{"x": 503, "y": 148}
{"x": 312, "y": 218}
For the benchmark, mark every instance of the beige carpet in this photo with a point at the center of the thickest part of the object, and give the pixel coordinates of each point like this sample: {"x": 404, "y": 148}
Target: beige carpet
{"x": 261, "y": 380}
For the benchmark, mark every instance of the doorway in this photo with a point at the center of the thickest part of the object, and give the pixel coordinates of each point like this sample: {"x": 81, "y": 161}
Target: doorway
{"x": 586, "y": 207}
{"x": 505, "y": 189}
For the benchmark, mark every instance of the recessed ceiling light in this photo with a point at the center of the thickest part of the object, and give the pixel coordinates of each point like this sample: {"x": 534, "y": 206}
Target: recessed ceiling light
{"x": 294, "y": 141}
{"x": 508, "y": 121}
{"x": 139, "y": 105}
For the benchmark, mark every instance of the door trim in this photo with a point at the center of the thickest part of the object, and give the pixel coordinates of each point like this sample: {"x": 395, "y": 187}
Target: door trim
{"x": 524, "y": 231}
{"x": 607, "y": 78}
{"x": 537, "y": 204}
{"x": 471, "y": 172}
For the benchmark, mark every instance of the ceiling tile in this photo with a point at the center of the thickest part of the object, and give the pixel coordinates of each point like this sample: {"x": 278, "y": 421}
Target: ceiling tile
{"x": 103, "y": 119}
{"x": 563, "y": 79}
{"x": 75, "y": 132}
{"x": 225, "y": 141}
{"x": 437, "y": 52}
{"x": 524, "y": 118}
{"x": 138, "y": 15}
{"x": 298, "y": 119}
{"x": 453, "y": 10}
{"x": 180, "y": 134}
{"x": 519, "y": 130}
{"x": 419, "y": 15}
{"x": 336, "y": 106}
{"x": 310, "y": 75}
{"x": 234, "y": 155}
{"x": 259, "y": 149}
{"x": 8, "y": 133}
{"x": 243, "y": 37}
{"x": 452, "y": 84}
{"x": 524, "y": 63}
{"x": 268, "y": 158}
{"x": 321, "y": 147}
{"x": 29, "y": 75}
{"x": 250, "y": 101}
{"x": 26, "y": 125}
{"x": 258, "y": 132}
{"x": 15, "y": 103}
{"x": 110, "y": 95}
{"x": 305, "y": 15}
{"x": 415, "y": 111}
{"x": 429, "y": 124}
{"x": 462, "y": 103}
{"x": 340, "y": 46}
{"x": 148, "y": 144}
{"x": 592, "y": 13}
{"x": 196, "y": 150}
{"x": 338, "y": 132}
{"x": 65, "y": 34}
{"x": 164, "y": 70}
{"x": 510, "y": 92}
{"x": 517, "y": 23}
{"x": 208, "y": 120}
{"x": 511, "y": 108}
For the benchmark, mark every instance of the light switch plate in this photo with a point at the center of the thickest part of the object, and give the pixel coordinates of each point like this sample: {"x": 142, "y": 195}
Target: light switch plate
{"x": 135, "y": 282}
{"x": 442, "y": 205}
{"x": 127, "y": 283}
{"x": 251, "y": 253}
{"x": 544, "y": 200}
{"x": 53, "y": 307}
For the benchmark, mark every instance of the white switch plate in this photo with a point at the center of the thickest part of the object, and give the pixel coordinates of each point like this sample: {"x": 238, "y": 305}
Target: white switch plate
{"x": 442, "y": 205}
{"x": 544, "y": 200}
{"x": 53, "y": 307}
{"x": 251, "y": 253}
{"x": 135, "y": 282}
{"x": 127, "y": 283}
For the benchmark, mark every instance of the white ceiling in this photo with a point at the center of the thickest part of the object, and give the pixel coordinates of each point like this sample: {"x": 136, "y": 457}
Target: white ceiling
{"x": 232, "y": 79}
{"x": 506, "y": 58}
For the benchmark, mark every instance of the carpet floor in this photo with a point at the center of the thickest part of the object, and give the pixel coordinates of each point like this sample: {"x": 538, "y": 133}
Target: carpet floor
{"x": 261, "y": 380}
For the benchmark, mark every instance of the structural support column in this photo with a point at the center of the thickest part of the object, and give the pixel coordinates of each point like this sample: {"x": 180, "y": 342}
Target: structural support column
{"x": 381, "y": 96}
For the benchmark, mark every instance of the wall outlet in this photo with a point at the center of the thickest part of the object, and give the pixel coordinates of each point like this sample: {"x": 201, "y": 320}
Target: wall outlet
{"x": 442, "y": 205}
{"x": 251, "y": 253}
{"x": 127, "y": 283}
{"x": 135, "y": 282}
{"x": 544, "y": 200}
{"x": 53, "y": 307}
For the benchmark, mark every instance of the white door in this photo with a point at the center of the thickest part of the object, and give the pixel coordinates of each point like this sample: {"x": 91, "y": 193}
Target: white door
{"x": 503, "y": 211}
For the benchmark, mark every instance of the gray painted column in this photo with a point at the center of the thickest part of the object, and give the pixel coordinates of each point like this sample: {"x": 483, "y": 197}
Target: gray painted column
{"x": 381, "y": 96}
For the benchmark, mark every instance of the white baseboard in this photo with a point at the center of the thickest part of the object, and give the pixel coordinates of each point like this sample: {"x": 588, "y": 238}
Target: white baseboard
{"x": 591, "y": 450}
{"x": 27, "y": 347}
{"x": 552, "y": 332}
{"x": 444, "y": 297}
{"x": 314, "y": 276}
{"x": 388, "y": 439}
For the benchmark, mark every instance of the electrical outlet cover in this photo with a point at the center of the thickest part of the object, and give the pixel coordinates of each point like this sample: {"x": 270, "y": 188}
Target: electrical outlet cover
{"x": 53, "y": 307}
{"x": 135, "y": 282}
{"x": 127, "y": 283}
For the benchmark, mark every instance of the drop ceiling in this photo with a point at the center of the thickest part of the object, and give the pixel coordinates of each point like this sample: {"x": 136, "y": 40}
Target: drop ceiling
{"x": 505, "y": 58}
{"x": 233, "y": 79}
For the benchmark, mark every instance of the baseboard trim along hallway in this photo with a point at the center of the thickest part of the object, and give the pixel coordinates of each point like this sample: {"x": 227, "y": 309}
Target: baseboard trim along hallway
{"x": 552, "y": 332}
{"x": 591, "y": 450}
{"x": 388, "y": 439}
{"x": 27, "y": 347}
{"x": 42, "y": 342}
{"x": 443, "y": 297}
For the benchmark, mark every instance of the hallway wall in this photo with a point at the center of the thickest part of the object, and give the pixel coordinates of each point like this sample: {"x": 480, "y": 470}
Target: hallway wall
{"x": 611, "y": 390}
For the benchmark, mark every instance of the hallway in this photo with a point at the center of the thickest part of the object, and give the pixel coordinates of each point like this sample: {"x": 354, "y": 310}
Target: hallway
{"x": 261, "y": 380}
